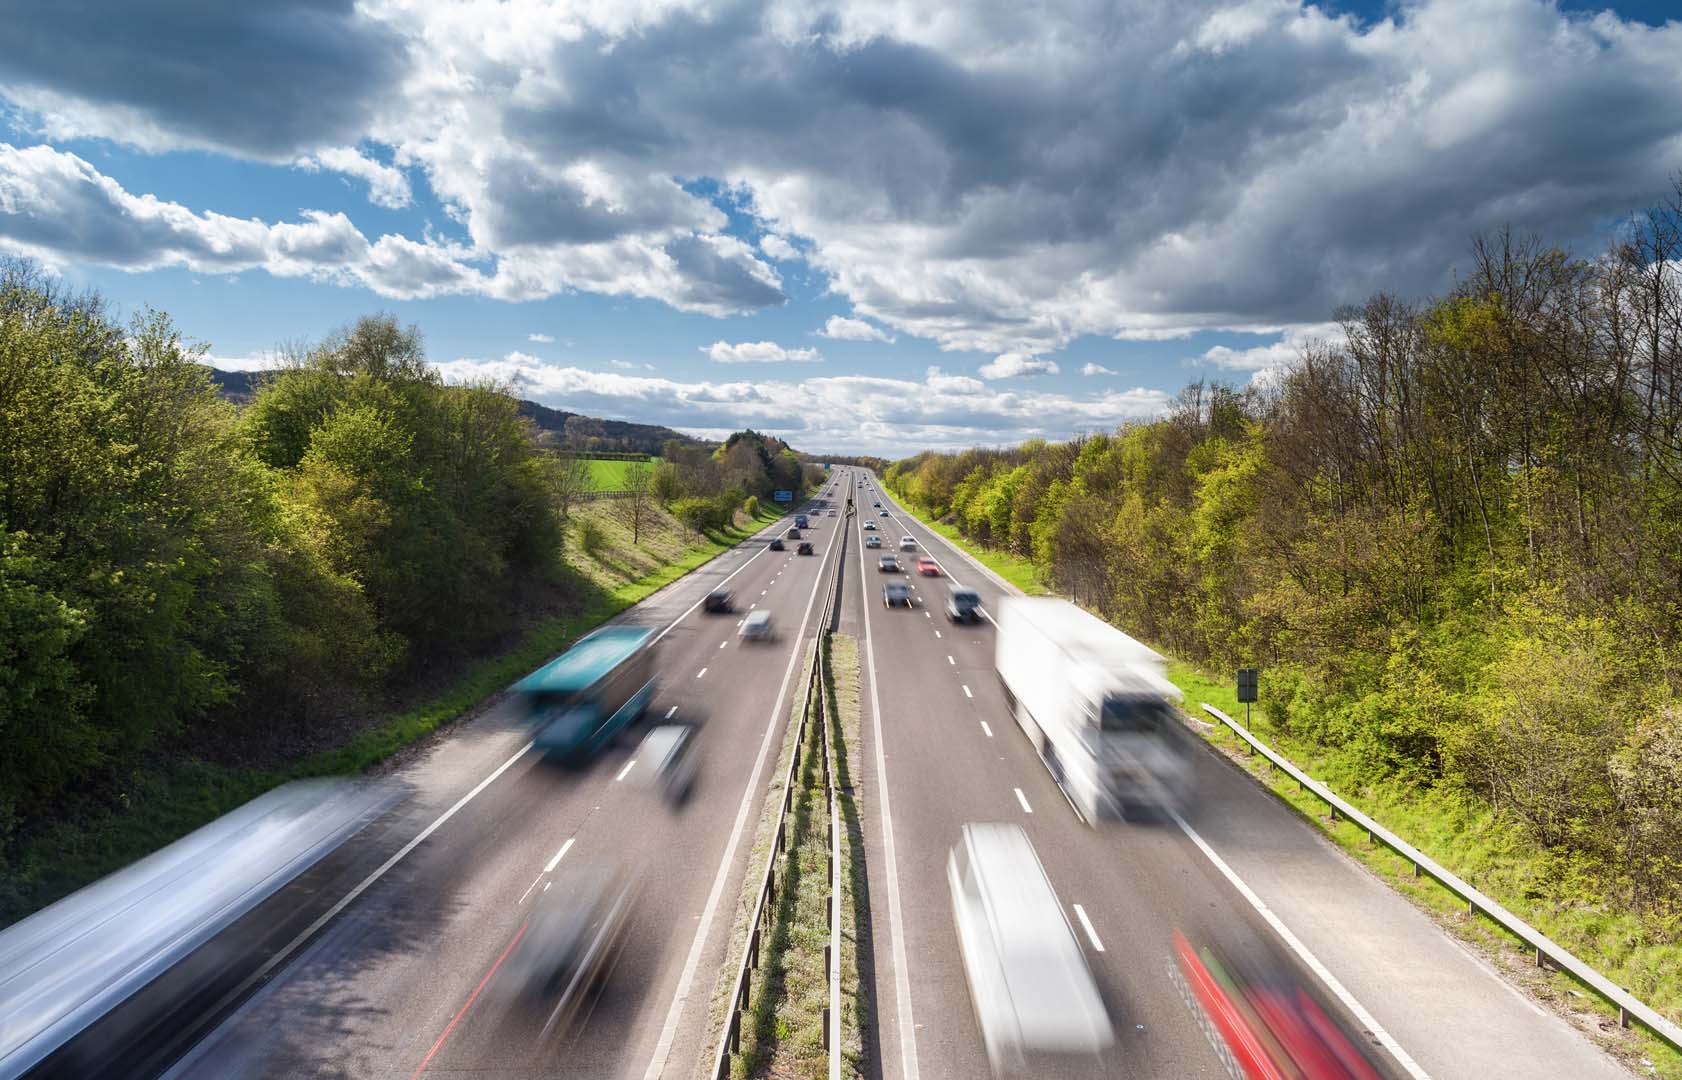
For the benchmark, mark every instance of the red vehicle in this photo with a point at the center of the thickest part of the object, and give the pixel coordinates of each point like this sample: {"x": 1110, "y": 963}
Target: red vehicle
{"x": 1273, "y": 1029}
{"x": 928, "y": 567}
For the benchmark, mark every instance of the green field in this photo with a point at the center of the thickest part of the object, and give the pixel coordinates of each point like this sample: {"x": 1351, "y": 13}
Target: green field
{"x": 611, "y": 475}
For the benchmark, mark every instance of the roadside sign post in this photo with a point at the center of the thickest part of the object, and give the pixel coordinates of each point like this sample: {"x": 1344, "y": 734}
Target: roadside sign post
{"x": 1247, "y": 691}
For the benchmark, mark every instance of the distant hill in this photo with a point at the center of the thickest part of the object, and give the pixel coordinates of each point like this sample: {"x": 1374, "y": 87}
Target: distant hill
{"x": 559, "y": 429}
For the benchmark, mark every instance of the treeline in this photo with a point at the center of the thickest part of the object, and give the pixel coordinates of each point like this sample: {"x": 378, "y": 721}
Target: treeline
{"x": 703, "y": 486}
{"x": 1452, "y": 539}
{"x": 171, "y": 565}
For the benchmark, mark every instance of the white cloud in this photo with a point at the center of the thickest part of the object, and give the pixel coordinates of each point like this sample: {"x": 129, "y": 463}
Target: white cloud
{"x": 1269, "y": 356}
{"x": 541, "y": 339}
{"x": 1011, "y": 365}
{"x": 624, "y": 365}
{"x": 1008, "y": 183}
{"x": 1096, "y": 369}
{"x": 842, "y": 328}
{"x": 758, "y": 352}
{"x": 56, "y": 206}
{"x": 848, "y": 412}
{"x": 777, "y": 247}
{"x": 387, "y": 186}
{"x": 254, "y": 362}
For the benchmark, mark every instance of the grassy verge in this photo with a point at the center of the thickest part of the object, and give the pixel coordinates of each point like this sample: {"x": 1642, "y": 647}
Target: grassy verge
{"x": 1551, "y": 892}
{"x": 165, "y": 800}
{"x": 1468, "y": 838}
{"x": 858, "y": 1002}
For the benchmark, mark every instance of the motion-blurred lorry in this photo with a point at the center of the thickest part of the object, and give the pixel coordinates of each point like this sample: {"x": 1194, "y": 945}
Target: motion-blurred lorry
{"x": 1096, "y": 704}
{"x": 580, "y": 700}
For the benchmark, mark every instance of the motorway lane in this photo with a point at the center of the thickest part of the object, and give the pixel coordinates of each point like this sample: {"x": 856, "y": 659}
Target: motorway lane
{"x": 373, "y": 995}
{"x": 1448, "y": 1012}
{"x": 945, "y": 769}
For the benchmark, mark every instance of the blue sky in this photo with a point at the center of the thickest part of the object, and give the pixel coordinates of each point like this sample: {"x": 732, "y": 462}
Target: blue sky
{"x": 1027, "y": 224}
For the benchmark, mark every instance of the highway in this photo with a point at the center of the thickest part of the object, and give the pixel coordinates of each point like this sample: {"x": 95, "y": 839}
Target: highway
{"x": 400, "y": 984}
{"x": 944, "y": 751}
{"x": 383, "y": 962}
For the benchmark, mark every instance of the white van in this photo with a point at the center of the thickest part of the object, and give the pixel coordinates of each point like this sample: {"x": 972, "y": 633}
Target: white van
{"x": 1035, "y": 1000}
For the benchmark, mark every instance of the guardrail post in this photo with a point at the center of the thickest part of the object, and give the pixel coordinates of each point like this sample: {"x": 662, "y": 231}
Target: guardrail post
{"x": 826, "y": 1027}
{"x": 753, "y": 948}
{"x": 736, "y": 1032}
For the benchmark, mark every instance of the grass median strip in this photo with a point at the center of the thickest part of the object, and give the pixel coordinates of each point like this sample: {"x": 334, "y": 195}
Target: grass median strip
{"x": 782, "y": 1031}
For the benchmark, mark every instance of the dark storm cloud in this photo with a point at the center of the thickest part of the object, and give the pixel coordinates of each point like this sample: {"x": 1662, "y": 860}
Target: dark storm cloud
{"x": 270, "y": 79}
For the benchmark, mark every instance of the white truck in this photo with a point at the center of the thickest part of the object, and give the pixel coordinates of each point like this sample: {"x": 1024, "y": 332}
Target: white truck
{"x": 1096, "y": 704}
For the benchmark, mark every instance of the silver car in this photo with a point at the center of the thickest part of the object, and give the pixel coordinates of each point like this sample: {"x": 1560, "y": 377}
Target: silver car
{"x": 756, "y": 627}
{"x": 1035, "y": 1000}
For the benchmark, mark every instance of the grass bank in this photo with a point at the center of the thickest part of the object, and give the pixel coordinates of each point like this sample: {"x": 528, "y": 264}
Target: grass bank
{"x": 1551, "y": 891}
{"x": 162, "y": 800}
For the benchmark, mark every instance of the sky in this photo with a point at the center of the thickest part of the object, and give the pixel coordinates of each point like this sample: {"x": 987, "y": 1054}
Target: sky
{"x": 862, "y": 225}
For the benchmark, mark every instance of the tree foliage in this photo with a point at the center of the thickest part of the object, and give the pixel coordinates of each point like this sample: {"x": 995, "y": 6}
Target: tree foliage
{"x": 167, "y": 562}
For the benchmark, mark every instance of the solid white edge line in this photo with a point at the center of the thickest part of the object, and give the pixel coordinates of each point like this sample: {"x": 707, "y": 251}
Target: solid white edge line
{"x": 1023, "y": 799}
{"x": 670, "y": 711}
{"x": 629, "y": 765}
{"x": 549, "y": 868}
{"x": 986, "y": 729}
{"x": 896, "y": 924}
{"x": 529, "y": 888}
{"x": 1313, "y": 962}
{"x": 1086, "y": 924}
{"x": 668, "y": 1031}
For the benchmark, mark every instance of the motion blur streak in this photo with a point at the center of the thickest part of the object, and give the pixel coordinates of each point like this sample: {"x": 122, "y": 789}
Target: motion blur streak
{"x": 1271, "y": 1027}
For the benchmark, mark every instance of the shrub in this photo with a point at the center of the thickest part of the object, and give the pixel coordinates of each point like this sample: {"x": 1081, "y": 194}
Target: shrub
{"x": 591, "y": 537}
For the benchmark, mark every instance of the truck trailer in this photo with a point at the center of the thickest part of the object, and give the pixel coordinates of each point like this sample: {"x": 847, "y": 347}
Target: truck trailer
{"x": 1097, "y": 706}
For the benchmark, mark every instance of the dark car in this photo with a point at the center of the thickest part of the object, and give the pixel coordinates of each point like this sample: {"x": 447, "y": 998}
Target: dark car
{"x": 896, "y": 592}
{"x": 963, "y": 604}
{"x": 888, "y": 564}
{"x": 777, "y": 544}
{"x": 718, "y": 600}
{"x": 804, "y": 548}
{"x": 793, "y": 533}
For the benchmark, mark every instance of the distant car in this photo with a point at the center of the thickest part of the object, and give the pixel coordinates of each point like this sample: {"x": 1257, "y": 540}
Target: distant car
{"x": 1034, "y": 995}
{"x": 896, "y": 592}
{"x": 873, "y": 541}
{"x": 928, "y": 567}
{"x": 881, "y": 513}
{"x": 963, "y": 604}
{"x": 793, "y": 533}
{"x": 756, "y": 627}
{"x": 719, "y": 599}
{"x": 777, "y": 544}
{"x": 877, "y": 503}
{"x": 803, "y": 548}
{"x": 870, "y": 526}
{"x": 888, "y": 564}
{"x": 908, "y": 543}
